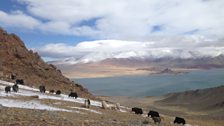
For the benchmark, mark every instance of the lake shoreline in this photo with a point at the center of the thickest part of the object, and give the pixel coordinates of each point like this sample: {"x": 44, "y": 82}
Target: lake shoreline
{"x": 142, "y": 72}
{"x": 153, "y": 85}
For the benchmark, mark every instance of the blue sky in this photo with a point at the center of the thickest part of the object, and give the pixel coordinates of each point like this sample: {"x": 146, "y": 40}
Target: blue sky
{"x": 34, "y": 38}
{"x": 42, "y": 23}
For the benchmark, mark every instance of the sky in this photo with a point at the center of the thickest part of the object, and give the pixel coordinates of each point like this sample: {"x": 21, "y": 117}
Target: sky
{"x": 89, "y": 30}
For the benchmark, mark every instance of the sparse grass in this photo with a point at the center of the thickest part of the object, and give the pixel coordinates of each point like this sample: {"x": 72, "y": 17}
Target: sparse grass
{"x": 29, "y": 117}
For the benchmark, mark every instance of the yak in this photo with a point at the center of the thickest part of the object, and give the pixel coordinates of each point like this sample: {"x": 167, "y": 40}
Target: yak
{"x": 179, "y": 120}
{"x": 42, "y": 89}
{"x": 137, "y": 110}
{"x": 15, "y": 88}
{"x": 73, "y": 94}
{"x": 20, "y": 81}
{"x": 7, "y": 89}
{"x": 153, "y": 114}
{"x": 58, "y": 92}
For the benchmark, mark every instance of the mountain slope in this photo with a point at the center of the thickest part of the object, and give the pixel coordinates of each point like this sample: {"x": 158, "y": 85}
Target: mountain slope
{"x": 203, "y": 99}
{"x": 16, "y": 59}
{"x": 30, "y": 107}
{"x": 200, "y": 62}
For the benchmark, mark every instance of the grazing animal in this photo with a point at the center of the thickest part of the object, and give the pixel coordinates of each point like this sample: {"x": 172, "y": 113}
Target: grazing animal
{"x": 113, "y": 107}
{"x": 137, "y": 110}
{"x": 104, "y": 105}
{"x": 52, "y": 91}
{"x": 20, "y": 81}
{"x": 87, "y": 103}
{"x": 58, "y": 92}
{"x": 108, "y": 106}
{"x": 15, "y": 88}
{"x": 118, "y": 106}
{"x": 42, "y": 89}
{"x": 7, "y": 89}
{"x": 179, "y": 120}
{"x": 156, "y": 119}
{"x": 13, "y": 77}
{"x": 73, "y": 94}
{"x": 153, "y": 114}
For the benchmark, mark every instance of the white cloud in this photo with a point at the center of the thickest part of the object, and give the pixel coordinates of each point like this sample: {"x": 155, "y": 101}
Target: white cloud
{"x": 56, "y": 27}
{"x": 127, "y": 28}
{"x": 18, "y": 19}
{"x": 93, "y": 51}
{"x": 124, "y": 19}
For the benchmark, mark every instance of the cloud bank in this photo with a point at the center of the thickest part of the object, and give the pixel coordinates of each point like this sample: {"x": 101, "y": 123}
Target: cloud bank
{"x": 119, "y": 19}
{"x": 93, "y": 51}
{"x": 124, "y": 28}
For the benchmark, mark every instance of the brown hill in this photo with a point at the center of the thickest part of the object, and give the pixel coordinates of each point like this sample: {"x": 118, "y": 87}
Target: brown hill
{"x": 209, "y": 99}
{"x": 16, "y": 59}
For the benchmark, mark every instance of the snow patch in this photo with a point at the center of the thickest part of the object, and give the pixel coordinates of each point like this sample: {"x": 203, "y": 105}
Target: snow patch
{"x": 30, "y": 105}
{"x": 28, "y": 91}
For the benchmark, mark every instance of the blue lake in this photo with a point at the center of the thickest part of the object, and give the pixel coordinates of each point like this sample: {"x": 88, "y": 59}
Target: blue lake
{"x": 153, "y": 85}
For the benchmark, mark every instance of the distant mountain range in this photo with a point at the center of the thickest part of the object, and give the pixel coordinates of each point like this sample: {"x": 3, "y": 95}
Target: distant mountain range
{"x": 156, "y": 54}
{"x": 200, "y": 62}
{"x": 155, "y": 49}
{"x": 203, "y": 62}
{"x": 135, "y": 63}
{"x": 201, "y": 57}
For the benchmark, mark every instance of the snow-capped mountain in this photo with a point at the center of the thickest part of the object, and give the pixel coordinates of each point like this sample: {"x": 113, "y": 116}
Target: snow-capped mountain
{"x": 153, "y": 54}
{"x": 117, "y": 57}
{"x": 187, "y": 47}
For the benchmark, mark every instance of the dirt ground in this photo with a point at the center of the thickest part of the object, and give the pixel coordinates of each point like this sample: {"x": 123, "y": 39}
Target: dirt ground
{"x": 168, "y": 113}
{"x": 30, "y": 117}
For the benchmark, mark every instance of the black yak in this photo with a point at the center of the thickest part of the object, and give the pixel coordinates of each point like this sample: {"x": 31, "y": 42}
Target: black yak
{"x": 7, "y": 89}
{"x": 20, "y": 81}
{"x": 13, "y": 77}
{"x": 153, "y": 114}
{"x": 42, "y": 89}
{"x": 15, "y": 88}
{"x": 88, "y": 101}
{"x": 58, "y": 92}
{"x": 137, "y": 110}
{"x": 179, "y": 120}
{"x": 73, "y": 94}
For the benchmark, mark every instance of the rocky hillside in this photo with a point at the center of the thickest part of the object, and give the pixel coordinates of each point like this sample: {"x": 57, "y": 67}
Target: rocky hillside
{"x": 209, "y": 99}
{"x": 16, "y": 59}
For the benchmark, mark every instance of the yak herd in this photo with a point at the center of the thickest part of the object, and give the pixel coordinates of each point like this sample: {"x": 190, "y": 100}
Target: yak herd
{"x": 42, "y": 89}
{"x": 153, "y": 114}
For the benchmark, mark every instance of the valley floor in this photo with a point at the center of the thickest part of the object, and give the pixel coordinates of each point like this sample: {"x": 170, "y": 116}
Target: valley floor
{"x": 100, "y": 71}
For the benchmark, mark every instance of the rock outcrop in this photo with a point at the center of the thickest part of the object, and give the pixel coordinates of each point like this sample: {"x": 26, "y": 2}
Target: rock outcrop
{"x": 17, "y": 60}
